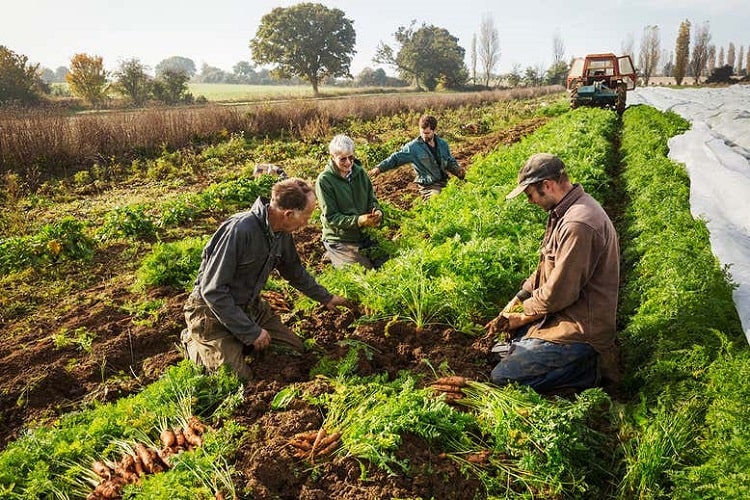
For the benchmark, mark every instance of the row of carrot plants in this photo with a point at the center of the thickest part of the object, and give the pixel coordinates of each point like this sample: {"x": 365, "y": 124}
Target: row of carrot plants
{"x": 686, "y": 356}
{"x": 466, "y": 251}
{"x": 457, "y": 259}
{"x": 686, "y": 359}
{"x": 56, "y": 461}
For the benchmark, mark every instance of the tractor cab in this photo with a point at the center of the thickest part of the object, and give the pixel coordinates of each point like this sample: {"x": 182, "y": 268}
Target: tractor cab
{"x": 601, "y": 80}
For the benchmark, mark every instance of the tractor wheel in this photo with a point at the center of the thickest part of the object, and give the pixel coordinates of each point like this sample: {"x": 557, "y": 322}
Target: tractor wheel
{"x": 573, "y": 98}
{"x": 622, "y": 92}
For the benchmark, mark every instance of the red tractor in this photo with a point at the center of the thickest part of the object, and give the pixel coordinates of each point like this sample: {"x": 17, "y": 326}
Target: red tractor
{"x": 601, "y": 80}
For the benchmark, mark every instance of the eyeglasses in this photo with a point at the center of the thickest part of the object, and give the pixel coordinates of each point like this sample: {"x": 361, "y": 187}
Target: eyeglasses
{"x": 340, "y": 159}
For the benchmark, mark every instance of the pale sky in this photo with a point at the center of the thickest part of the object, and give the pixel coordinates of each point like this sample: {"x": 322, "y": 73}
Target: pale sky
{"x": 218, "y": 32}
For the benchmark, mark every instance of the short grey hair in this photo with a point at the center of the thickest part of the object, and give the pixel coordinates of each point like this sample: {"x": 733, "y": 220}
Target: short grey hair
{"x": 341, "y": 145}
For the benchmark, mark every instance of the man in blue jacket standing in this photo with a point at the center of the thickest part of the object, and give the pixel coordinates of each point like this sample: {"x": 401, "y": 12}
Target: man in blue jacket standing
{"x": 347, "y": 206}
{"x": 429, "y": 155}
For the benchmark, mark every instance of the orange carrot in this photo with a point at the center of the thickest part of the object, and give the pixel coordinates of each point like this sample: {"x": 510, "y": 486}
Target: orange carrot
{"x": 191, "y": 437}
{"x": 102, "y": 470}
{"x": 331, "y": 447}
{"x": 138, "y": 465}
{"x": 328, "y": 439}
{"x": 453, "y": 380}
{"x": 168, "y": 438}
{"x": 145, "y": 456}
{"x": 445, "y": 388}
{"x": 198, "y": 426}
{"x": 179, "y": 437}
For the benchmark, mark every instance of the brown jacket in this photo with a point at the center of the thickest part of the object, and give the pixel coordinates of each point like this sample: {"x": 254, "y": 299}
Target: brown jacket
{"x": 576, "y": 282}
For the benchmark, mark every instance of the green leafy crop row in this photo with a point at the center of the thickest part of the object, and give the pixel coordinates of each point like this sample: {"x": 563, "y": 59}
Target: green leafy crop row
{"x": 465, "y": 251}
{"x": 53, "y": 462}
{"x": 684, "y": 349}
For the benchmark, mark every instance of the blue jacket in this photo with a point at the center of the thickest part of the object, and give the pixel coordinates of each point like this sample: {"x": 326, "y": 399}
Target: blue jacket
{"x": 427, "y": 170}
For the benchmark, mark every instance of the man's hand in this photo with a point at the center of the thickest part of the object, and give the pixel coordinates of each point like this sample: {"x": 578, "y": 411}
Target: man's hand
{"x": 263, "y": 340}
{"x": 374, "y": 172}
{"x": 517, "y": 320}
{"x": 371, "y": 219}
{"x": 461, "y": 173}
{"x": 514, "y": 303}
{"x": 337, "y": 301}
{"x": 511, "y": 318}
{"x": 498, "y": 325}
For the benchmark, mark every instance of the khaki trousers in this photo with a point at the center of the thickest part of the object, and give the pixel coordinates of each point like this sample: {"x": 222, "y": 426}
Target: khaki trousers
{"x": 208, "y": 343}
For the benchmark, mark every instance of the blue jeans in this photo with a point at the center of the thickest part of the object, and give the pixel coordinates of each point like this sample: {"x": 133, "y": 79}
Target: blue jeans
{"x": 547, "y": 366}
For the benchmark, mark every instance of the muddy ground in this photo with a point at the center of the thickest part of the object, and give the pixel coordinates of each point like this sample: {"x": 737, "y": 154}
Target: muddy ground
{"x": 40, "y": 381}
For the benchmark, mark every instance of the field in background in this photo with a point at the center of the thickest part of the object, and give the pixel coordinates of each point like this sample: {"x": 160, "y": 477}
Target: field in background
{"x": 228, "y": 92}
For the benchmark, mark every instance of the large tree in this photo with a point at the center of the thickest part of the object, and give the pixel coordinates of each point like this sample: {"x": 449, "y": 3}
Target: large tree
{"x": 212, "y": 74}
{"x": 711, "y": 62}
{"x": 19, "y": 81}
{"x": 60, "y": 73}
{"x": 667, "y": 59}
{"x": 701, "y": 40}
{"x": 489, "y": 47}
{"x": 428, "y": 55}
{"x": 648, "y": 58}
{"x": 87, "y": 78}
{"x": 176, "y": 64}
{"x": 682, "y": 52}
{"x": 132, "y": 81}
{"x": 307, "y": 40}
{"x": 170, "y": 87}
{"x": 514, "y": 77}
{"x": 474, "y": 59}
{"x": 627, "y": 45}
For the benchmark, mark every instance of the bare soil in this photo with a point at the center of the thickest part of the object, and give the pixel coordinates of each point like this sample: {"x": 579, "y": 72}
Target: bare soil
{"x": 41, "y": 381}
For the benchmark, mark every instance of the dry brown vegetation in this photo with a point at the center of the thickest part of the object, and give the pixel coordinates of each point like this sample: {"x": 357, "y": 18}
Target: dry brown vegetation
{"x": 43, "y": 144}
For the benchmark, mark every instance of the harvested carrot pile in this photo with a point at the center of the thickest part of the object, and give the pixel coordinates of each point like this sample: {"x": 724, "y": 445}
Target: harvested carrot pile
{"x": 314, "y": 444}
{"x": 277, "y": 301}
{"x": 144, "y": 460}
{"x": 450, "y": 387}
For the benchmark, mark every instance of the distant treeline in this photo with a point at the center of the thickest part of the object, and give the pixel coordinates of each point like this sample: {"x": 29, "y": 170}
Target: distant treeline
{"x": 43, "y": 144}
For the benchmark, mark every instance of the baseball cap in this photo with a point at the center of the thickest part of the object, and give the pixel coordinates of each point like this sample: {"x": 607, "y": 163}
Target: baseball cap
{"x": 538, "y": 167}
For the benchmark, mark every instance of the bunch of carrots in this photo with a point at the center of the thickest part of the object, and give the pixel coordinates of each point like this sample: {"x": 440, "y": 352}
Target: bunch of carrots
{"x": 145, "y": 460}
{"x": 451, "y": 387}
{"x": 314, "y": 444}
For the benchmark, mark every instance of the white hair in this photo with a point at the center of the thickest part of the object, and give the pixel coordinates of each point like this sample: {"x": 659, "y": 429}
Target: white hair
{"x": 341, "y": 145}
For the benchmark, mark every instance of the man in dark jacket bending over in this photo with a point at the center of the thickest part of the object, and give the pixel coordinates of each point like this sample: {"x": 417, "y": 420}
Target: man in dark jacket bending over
{"x": 226, "y": 317}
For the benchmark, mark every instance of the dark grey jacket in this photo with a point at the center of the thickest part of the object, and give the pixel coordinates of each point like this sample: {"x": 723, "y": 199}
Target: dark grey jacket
{"x": 237, "y": 262}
